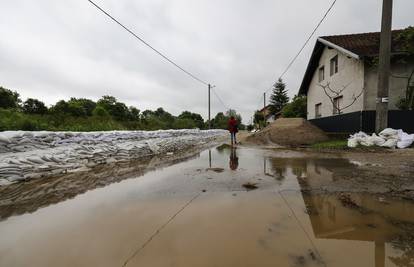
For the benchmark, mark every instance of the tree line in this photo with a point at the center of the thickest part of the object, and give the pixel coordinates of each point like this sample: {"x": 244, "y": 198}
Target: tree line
{"x": 82, "y": 114}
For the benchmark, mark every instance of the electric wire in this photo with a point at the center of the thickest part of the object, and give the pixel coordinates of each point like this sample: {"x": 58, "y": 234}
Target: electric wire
{"x": 147, "y": 44}
{"x": 304, "y": 45}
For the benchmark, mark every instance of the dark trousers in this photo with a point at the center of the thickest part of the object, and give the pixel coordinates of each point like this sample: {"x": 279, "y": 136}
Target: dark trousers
{"x": 233, "y": 138}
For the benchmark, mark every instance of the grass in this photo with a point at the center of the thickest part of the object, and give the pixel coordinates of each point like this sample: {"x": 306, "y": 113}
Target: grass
{"x": 342, "y": 144}
{"x": 332, "y": 144}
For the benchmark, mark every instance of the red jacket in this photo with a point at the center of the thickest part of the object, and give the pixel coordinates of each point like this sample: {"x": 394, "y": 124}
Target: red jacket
{"x": 232, "y": 126}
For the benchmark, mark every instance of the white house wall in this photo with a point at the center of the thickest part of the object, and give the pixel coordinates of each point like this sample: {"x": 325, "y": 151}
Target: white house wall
{"x": 350, "y": 72}
{"x": 397, "y": 85}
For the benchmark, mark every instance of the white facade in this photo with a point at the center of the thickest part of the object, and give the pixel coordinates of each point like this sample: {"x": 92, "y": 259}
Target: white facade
{"x": 350, "y": 74}
{"x": 358, "y": 77}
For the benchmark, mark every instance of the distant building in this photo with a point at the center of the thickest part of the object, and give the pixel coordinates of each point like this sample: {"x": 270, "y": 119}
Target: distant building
{"x": 269, "y": 116}
{"x": 343, "y": 67}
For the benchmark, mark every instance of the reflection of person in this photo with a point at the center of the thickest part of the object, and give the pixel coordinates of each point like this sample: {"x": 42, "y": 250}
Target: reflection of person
{"x": 233, "y": 129}
{"x": 234, "y": 160}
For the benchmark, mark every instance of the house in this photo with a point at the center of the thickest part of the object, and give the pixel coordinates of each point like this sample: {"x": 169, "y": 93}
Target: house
{"x": 268, "y": 115}
{"x": 340, "y": 83}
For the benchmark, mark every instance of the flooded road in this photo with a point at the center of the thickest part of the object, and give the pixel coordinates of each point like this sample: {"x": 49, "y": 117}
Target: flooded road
{"x": 198, "y": 212}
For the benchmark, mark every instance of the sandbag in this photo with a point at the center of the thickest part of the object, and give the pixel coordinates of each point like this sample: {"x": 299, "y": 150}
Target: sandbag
{"x": 390, "y": 143}
{"x": 390, "y": 138}
{"x": 406, "y": 140}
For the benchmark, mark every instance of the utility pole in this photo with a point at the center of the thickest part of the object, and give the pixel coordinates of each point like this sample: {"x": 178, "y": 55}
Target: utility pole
{"x": 264, "y": 109}
{"x": 209, "y": 107}
{"x": 381, "y": 119}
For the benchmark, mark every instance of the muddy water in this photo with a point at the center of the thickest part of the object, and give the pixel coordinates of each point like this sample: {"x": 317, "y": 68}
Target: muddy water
{"x": 197, "y": 213}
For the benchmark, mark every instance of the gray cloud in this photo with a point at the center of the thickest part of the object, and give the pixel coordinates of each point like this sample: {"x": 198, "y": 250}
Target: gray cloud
{"x": 56, "y": 49}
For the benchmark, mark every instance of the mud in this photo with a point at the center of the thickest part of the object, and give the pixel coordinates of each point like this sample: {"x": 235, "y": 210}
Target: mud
{"x": 306, "y": 211}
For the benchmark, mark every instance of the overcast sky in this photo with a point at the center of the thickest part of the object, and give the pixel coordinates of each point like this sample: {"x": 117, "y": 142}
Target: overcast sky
{"x": 55, "y": 49}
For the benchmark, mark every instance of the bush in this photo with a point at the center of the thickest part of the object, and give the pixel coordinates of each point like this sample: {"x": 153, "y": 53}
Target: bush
{"x": 100, "y": 111}
{"x": 296, "y": 109}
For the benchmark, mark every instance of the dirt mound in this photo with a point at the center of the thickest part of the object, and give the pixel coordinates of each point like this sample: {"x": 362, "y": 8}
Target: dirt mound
{"x": 288, "y": 132}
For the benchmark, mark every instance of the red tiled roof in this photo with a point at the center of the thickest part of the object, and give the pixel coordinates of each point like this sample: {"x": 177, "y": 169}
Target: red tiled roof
{"x": 364, "y": 44}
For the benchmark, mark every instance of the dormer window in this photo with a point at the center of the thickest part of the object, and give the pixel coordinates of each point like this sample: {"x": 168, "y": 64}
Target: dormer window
{"x": 321, "y": 73}
{"x": 334, "y": 65}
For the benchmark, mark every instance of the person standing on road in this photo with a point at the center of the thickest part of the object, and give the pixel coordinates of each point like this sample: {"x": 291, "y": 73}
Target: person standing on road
{"x": 233, "y": 129}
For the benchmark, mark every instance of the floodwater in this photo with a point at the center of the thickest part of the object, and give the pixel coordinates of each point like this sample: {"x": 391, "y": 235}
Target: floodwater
{"x": 196, "y": 212}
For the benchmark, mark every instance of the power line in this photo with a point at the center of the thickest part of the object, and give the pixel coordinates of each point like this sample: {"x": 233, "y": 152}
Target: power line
{"x": 307, "y": 41}
{"x": 219, "y": 98}
{"x": 147, "y": 44}
{"x": 304, "y": 45}
{"x": 309, "y": 38}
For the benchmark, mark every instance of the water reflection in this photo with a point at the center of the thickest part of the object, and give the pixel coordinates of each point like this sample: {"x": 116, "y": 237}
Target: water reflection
{"x": 365, "y": 219}
{"x": 29, "y": 196}
{"x": 225, "y": 226}
{"x": 234, "y": 160}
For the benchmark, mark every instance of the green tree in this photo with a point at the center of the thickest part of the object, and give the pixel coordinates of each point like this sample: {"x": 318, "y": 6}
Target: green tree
{"x": 81, "y": 106}
{"x": 219, "y": 121}
{"x": 184, "y": 124}
{"x": 258, "y": 118}
{"x": 34, "y": 106}
{"x": 232, "y": 112}
{"x": 61, "y": 107}
{"x": 406, "y": 38}
{"x": 279, "y": 97}
{"x": 116, "y": 109}
{"x": 196, "y": 118}
{"x": 9, "y": 99}
{"x": 133, "y": 113}
{"x": 100, "y": 112}
{"x": 296, "y": 109}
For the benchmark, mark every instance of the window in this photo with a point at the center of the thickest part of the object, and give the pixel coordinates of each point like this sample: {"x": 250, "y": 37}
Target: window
{"x": 318, "y": 113}
{"x": 321, "y": 73}
{"x": 337, "y": 105}
{"x": 334, "y": 65}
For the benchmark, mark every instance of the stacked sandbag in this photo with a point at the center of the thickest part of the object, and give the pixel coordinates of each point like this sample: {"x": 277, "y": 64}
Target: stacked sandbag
{"x": 389, "y": 138}
{"x": 26, "y": 155}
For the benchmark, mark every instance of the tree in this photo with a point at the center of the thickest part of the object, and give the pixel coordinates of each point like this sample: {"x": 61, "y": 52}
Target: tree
{"x": 81, "y": 106}
{"x": 196, "y": 118}
{"x": 297, "y": 108}
{"x": 184, "y": 124}
{"x": 407, "y": 40}
{"x": 133, "y": 113}
{"x": 333, "y": 94}
{"x": 116, "y": 109}
{"x": 219, "y": 121}
{"x": 258, "y": 118}
{"x": 100, "y": 112}
{"x": 279, "y": 97}
{"x": 232, "y": 112}
{"x": 34, "y": 106}
{"x": 61, "y": 107}
{"x": 9, "y": 99}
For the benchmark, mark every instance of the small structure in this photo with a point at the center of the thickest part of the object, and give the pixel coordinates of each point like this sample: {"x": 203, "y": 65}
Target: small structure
{"x": 340, "y": 83}
{"x": 268, "y": 115}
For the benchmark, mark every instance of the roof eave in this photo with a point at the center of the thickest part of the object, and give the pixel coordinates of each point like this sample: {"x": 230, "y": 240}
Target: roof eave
{"x": 339, "y": 48}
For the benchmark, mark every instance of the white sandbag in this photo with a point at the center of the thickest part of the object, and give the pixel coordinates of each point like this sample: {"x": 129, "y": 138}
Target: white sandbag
{"x": 389, "y": 134}
{"x": 353, "y": 142}
{"x": 377, "y": 140}
{"x": 4, "y": 139}
{"x": 367, "y": 141}
{"x": 405, "y": 140}
{"x": 390, "y": 143}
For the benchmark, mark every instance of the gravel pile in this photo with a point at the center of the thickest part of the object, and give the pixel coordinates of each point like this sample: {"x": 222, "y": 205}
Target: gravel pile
{"x": 28, "y": 155}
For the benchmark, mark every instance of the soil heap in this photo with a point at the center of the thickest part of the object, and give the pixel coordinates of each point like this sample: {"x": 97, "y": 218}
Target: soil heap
{"x": 288, "y": 132}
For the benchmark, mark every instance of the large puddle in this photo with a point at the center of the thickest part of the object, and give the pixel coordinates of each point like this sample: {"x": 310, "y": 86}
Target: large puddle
{"x": 198, "y": 213}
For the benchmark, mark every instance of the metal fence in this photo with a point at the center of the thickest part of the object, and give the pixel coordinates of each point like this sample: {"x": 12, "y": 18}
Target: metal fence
{"x": 365, "y": 121}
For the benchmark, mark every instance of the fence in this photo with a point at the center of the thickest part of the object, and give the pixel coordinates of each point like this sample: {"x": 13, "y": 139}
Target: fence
{"x": 365, "y": 121}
